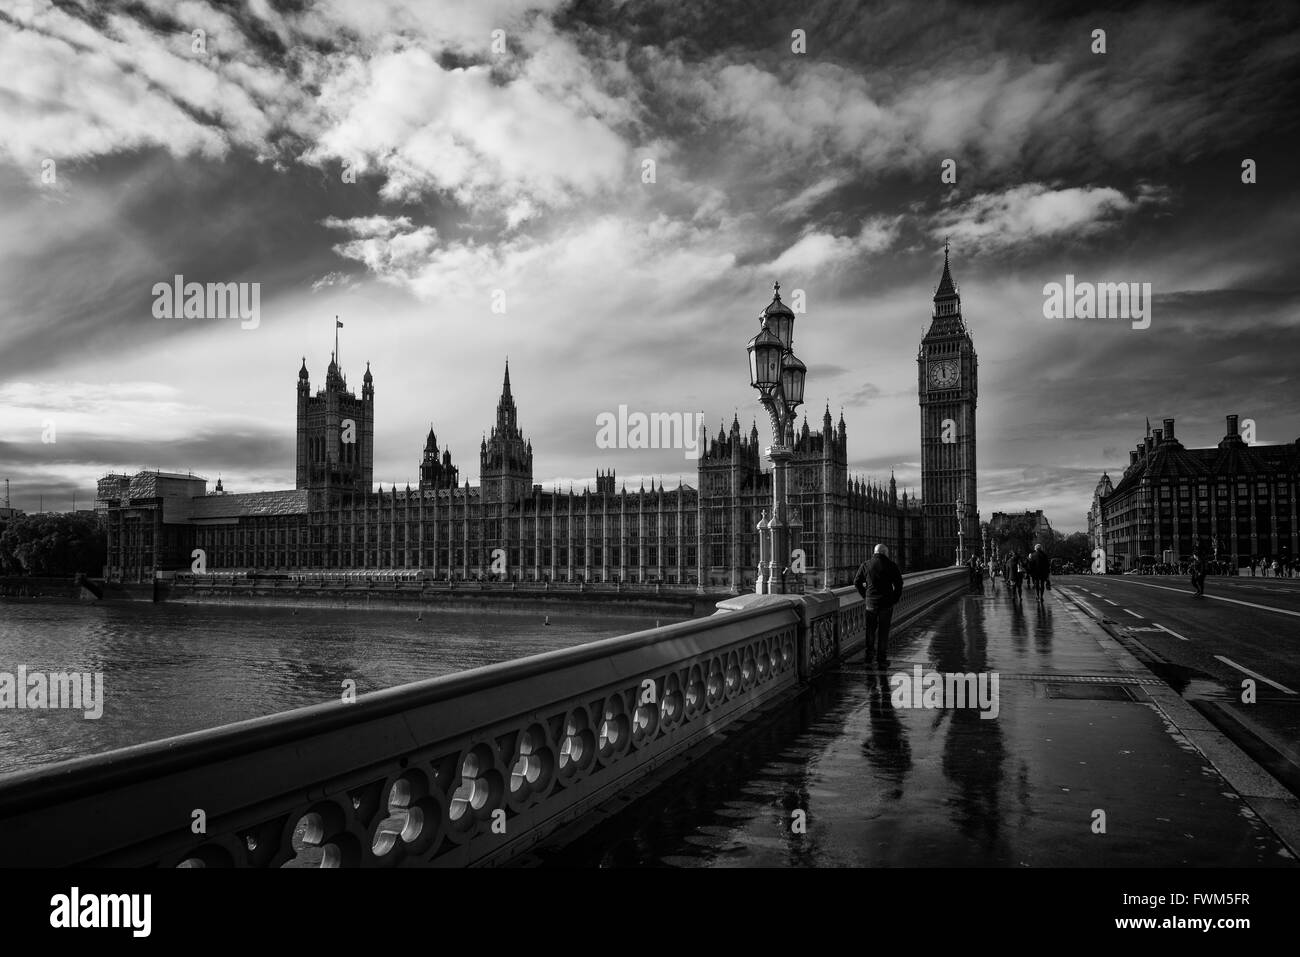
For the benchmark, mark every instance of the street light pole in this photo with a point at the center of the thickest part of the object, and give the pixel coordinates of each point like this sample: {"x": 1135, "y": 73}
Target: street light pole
{"x": 779, "y": 376}
{"x": 960, "y": 548}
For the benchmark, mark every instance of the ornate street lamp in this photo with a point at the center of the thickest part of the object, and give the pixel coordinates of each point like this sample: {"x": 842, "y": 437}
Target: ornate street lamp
{"x": 960, "y": 503}
{"x": 779, "y": 376}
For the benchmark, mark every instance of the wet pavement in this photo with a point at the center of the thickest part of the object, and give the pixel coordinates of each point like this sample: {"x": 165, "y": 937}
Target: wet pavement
{"x": 1087, "y": 760}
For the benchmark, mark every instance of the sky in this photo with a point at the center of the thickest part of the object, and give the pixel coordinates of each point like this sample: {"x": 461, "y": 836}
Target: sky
{"x": 604, "y": 193}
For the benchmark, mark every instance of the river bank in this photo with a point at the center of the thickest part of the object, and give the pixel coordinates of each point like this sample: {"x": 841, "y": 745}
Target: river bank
{"x": 403, "y": 596}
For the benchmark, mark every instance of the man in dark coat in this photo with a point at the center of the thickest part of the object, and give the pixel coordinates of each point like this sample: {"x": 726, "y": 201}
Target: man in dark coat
{"x": 1196, "y": 567}
{"x": 1039, "y": 567}
{"x": 1015, "y": 573}
{"x": 880, "y": 584}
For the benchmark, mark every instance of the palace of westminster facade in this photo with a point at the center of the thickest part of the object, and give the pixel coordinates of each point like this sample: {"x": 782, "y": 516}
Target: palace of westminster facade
{"x": 509, "y": 528}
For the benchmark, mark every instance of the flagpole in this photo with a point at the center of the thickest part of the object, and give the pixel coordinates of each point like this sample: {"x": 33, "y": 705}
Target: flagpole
{"x": 336, "y": 343}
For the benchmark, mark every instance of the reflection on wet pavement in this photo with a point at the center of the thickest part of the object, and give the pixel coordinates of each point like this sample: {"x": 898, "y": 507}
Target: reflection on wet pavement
{"x": 1078, "y": 768}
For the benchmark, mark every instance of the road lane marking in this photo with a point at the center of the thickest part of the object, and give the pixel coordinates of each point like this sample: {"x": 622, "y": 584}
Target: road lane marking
{"x": 1229, "y": 661}
{"x": 1133, "y": 613}
{"x": 1235, "y": 601}
{"x": 1109, "y": 602}
{"x": 1170, "y": 630}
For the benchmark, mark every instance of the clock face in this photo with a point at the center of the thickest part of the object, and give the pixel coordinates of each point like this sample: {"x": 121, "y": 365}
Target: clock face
{"x": 945, "y": 374}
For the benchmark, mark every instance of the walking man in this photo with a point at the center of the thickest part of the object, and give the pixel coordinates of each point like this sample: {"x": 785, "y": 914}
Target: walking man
{"x": 1197, "y": 569}
{"x": 880, "y": 584}
{"x": 1015, "y": 574}
{"x": 1040, "y": 567}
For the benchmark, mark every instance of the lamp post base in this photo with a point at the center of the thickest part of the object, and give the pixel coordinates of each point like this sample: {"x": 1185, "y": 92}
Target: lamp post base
{"x": 778, "y": 555}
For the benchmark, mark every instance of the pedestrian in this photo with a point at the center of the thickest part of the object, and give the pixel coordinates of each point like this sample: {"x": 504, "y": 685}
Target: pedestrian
{"x": 1015, "y": 573}
{"x": 1039, "y": 567}
{"x": 880, "y": 584}
{"x": 1197, "y": 569}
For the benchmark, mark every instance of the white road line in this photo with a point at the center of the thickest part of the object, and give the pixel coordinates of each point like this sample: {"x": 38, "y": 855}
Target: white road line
{"x": 1109, "y": 602}
{"x": 1133, "y": 613}
{"x": 1235, "y": 601}
{"x": 1229, "y": 661}
{"x": 1170, "y": 630}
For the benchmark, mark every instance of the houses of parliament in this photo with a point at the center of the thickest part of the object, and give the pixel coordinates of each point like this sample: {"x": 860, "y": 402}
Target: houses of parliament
{"x": 704, "y": 537}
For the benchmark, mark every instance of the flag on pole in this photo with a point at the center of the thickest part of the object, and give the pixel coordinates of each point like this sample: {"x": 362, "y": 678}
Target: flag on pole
{"x": 337, "y": 324}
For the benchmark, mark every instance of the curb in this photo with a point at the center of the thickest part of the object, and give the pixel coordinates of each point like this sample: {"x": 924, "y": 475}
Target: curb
{"x": 1276, "y": 806}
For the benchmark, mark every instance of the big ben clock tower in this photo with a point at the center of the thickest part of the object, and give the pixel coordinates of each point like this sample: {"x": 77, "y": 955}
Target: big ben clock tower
{"x": 947, "y": 370}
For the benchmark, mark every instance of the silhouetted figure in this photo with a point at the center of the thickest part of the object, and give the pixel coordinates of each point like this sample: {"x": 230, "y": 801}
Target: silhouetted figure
{"x": 1016, "y": 574}
{"x": 1039, "y": 567}
{"x": 1196, "y": 568}
{"x": 880, "y": 584}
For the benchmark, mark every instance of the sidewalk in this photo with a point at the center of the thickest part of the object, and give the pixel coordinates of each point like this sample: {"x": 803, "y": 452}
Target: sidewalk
{"x": 1081, "y": 728}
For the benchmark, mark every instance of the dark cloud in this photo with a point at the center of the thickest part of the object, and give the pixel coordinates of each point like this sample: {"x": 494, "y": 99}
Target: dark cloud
{"x": 823, "y": 167}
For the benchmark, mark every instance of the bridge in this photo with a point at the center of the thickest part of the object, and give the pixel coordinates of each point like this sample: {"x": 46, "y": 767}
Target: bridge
{"x": 476, "y": 767}
{"x": 753, "y": 736}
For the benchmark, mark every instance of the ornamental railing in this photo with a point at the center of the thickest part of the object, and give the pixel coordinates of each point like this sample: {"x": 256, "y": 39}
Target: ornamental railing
{"x": 475, "y": 767}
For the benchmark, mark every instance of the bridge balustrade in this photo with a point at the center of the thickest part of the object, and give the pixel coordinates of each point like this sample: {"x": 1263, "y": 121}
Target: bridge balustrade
{"x": 470, "y": 768}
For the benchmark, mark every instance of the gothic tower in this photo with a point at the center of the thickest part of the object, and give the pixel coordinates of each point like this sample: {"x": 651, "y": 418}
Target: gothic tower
{"x": 437, "y": 473}
{"x": 505, "y": 459}
{"x": 947, "y": 370}
{"x": 335, "y": 433}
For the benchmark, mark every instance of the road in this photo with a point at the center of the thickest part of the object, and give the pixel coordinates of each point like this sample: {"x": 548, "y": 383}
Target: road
{"x": 1245, "y": 629}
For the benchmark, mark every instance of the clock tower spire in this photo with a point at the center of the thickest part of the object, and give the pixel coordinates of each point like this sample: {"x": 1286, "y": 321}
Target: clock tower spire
{"x": 948, "y": 388}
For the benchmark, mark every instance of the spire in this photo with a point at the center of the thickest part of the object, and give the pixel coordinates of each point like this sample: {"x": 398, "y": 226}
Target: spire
{"x": 333, "y": 375}
{"x": 947, "y": 289}
{"x": 507, "y": 424}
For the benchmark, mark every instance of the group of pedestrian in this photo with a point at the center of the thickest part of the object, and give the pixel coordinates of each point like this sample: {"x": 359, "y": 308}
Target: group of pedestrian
{"x": 880, "y": 583}
{"x": 1035, "y": 566}
{"x": 1275, "y": 569}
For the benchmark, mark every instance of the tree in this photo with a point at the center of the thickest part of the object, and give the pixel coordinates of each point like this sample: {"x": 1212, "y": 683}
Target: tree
{"x": 53, "y": 545}
{"x": 1019, "y": 533}
{"x": 1075, "y": 549}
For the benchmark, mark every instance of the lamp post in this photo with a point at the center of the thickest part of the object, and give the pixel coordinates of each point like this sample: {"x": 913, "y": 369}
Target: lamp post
{"x": 778, "y": 375}
{"x": 960, "y": 548}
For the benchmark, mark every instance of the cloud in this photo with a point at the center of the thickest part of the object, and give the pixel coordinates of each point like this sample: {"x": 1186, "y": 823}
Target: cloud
{"x": 816, "y": 250}
{"x": 490, "y": 145}
{"x": 864, "y": 393}
{"x": 1032, "y": 212}
{"x": 339, "y": 279}
{"x": 123, "y": 85}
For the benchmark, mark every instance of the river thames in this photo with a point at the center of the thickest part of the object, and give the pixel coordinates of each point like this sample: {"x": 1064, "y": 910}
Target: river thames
{"x": 171, "y": 669}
